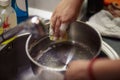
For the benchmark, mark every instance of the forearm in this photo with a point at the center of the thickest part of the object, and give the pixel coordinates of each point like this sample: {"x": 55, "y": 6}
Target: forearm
{"x": 97, "y": 69}
{"x": 105, "y": 69}
{"x": 76, "y": 3}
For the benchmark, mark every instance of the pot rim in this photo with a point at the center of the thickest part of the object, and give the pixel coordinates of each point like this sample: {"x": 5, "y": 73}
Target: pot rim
{"x": 64, "y": 68}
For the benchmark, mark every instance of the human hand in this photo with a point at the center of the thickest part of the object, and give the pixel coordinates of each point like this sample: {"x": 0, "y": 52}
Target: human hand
{"x": 66, "y": 12}
{"x": 77, "y": 70}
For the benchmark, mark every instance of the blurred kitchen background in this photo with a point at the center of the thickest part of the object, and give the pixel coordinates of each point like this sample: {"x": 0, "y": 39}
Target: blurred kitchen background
{"x": 48, "y": 5}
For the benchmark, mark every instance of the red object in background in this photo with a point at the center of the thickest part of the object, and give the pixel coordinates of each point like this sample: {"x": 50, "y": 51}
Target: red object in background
{"x": 107, "y": 2}
{"x": 6, "y": 24}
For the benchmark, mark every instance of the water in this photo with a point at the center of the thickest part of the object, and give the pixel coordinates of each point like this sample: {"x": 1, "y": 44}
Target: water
{"x": 60, "y": 54}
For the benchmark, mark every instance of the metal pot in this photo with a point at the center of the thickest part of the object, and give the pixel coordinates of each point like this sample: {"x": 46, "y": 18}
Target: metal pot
{"x": 50, "y": 58}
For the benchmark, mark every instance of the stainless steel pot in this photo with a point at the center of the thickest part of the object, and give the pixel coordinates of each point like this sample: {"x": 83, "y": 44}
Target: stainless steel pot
{"x": 50, "y": 58}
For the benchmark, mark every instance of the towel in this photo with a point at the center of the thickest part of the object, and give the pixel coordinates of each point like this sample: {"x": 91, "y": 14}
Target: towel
{"x": 106, "y": 24}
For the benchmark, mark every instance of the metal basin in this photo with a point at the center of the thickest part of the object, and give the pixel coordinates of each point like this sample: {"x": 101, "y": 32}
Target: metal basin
{"x": 83, "y": 43}
{"x": 52, "y": 57}
{"x": 15, "y": 65}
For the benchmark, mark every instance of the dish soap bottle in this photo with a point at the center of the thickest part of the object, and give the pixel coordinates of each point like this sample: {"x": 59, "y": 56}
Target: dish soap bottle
{"x": 21, "y": 8}
{"x": 8, "y": 17}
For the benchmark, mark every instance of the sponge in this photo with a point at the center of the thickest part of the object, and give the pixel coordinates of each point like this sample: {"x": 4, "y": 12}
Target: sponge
{"x": 63, "y": 36}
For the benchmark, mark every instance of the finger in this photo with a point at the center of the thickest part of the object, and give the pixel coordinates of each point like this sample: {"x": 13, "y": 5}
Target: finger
{"x": 69, "y": 64}
{"x": 68, "y": 75}
{"x": 53, "y": 22}
{"x": 68, "y": 19}
{"x": 62, "y": 35}
{"x": 53, "y": 14}
{"x": 57, "y": 27}
{"x": 63, "y": 30}
{"x": 64, "y": 19}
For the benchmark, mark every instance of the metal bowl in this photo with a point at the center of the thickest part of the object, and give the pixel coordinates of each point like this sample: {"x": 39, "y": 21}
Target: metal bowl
{"x": 83, "y": 42}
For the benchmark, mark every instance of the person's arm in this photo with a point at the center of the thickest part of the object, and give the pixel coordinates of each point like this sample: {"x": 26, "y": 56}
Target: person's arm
{"x": 103, "y": 69}
{"x": 107, "y": 69}
{"x": 65, "y": 12}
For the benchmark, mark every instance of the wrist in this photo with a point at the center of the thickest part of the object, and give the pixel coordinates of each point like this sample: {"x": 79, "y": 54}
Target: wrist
{"x": 90, "y": 69}
{"x": 83, "y": 72}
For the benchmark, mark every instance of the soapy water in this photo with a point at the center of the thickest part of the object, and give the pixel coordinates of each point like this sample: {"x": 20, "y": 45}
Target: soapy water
{"x": 60, "y": 54}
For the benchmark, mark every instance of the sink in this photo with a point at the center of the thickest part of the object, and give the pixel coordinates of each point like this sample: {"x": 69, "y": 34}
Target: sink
{"x": 15, "y": 65}
{"x": 12, "y": 57}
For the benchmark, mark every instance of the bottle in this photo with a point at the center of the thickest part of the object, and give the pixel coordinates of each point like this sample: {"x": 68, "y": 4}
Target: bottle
{"x": 8, "y": 18}
{"x": 21, "y": 8}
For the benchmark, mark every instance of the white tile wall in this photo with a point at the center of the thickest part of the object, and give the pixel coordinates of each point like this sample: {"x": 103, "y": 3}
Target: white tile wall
{"x": 48, "y": 5}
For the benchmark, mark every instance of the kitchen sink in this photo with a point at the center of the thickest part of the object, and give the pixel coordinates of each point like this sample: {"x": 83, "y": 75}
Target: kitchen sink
{"x": 12, "y": 57}
{"x": 15, "y": 65}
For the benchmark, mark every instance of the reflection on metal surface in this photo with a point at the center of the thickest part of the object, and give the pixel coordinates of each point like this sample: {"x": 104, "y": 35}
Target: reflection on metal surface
{"x": 109, "y": 51}
{"x": 58, "y": 55}
{"x": 27, "y": 73}
{"x": 53, "y": 55}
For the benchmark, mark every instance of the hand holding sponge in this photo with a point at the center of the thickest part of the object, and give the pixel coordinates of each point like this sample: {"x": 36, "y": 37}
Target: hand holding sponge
{"x": 63, "y": 33}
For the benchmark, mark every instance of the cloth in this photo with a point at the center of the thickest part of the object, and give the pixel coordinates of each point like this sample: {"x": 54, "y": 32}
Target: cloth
{"x": 106, "y": 24}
